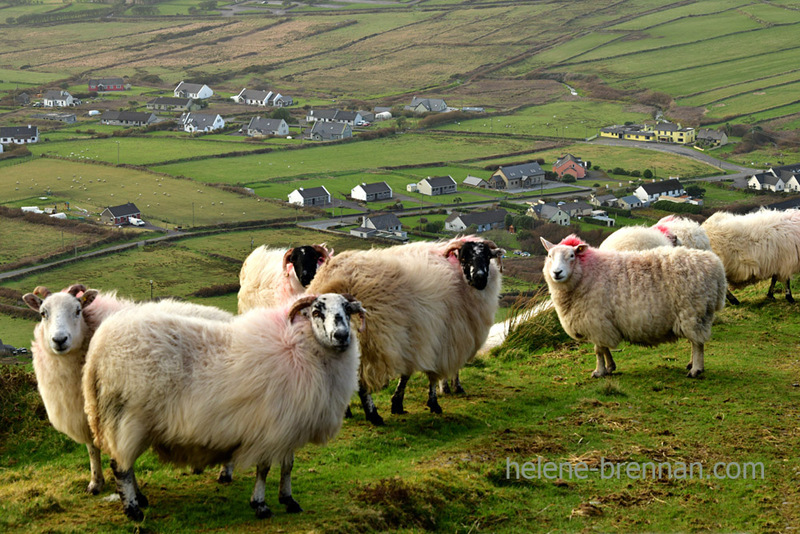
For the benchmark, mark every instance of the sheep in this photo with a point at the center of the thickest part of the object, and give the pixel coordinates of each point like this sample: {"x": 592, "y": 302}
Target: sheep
{"x": 757, "y": 246}
{"x": 61, "y": 339}
{"x": 639, "y": 238}
{"x": 645, "y": 297}
{"x": 272, "y": 276}
{"x": 199, "y": 391}
{"x": 687, "y": 232}
{"x": 430, "y": 308}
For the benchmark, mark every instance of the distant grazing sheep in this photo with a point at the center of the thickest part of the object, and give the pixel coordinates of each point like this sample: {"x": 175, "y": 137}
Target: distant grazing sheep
{"x": 270, "y": 277}
{"x": 645, "y": 297}
{"x": 61, "y": 340}
{"x": 430, "y": 309}
{"x": 200, "y": 391}
{"x": 757, "y": 246}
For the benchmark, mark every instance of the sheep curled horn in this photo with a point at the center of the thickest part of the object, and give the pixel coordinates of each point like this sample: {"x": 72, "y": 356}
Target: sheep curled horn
{"x": 455, "y": 248}
{"x": 304, "y": 302}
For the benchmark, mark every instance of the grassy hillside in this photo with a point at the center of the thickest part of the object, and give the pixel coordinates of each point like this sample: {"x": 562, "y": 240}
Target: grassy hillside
{"x": 450, "y": 473}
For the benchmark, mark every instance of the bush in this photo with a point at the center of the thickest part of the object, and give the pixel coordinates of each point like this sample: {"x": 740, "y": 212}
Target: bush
{"x": 675, "y": 207}
{"x": 647, "y": 174}
{"x": 568, "y": 178}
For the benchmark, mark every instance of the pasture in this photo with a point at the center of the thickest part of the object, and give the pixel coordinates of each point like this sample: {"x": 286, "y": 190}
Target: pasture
{"x": 162, "y": 199}
{"x": 615, "y": 449}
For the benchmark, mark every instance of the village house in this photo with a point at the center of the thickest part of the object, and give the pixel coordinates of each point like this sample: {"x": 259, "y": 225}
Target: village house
{"x": 371, "y": 192}
{"x": 328, "y": 131}
{"x": 385, "y": 225}
{"x": 474, "y": 181}
{"x": 603, "y": 200}
{"x": 195, "y": 91}
{"x": 120, "y": 214}
{"x": 524, "y": 176}
{"x": 569, "y": 164}
{"x": 711, "y": 138}
{"x": 68, "y": 118}
{"x": 665, "y": 132}
{"x": 427, "y": 105}
{"x": 171, "y": 103}
{"x": 260, "y": 127}
{"x": 107, "y": 84}
{"x": 482, "y": 221}
{"x": 577, "y": 208}
{"x": 765, "y": 181}
{"x": 650, "y": 192}
{"x": 548, "y": 212}
{"x": 312, "y": 196}
{"x": 353, "y": 118}
{"x": 19, "y": 135}
{"x": 779, "y": 178}
{"x": 263, "y": 98}
{"x": 200, "y": 122}
{"x": 437, "y": 185}
{"x": 128, "y": 118}
{"x": 631, "y": 202}
{"x": 58, "y": 99}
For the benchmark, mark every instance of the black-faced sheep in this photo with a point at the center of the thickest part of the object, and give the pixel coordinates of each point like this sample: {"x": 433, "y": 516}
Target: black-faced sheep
{"x": 200, "y": 391}
{"x": 430, "y": 309}
{"x": 647, "y": 297}
{"x": 270, "y": 277}
{"x": 61, "y": 339}
{"x": 757, "y": 246}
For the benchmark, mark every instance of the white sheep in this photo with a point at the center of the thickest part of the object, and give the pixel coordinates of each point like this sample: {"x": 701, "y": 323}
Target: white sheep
{"x": 757, "y": 246}
{"x": 61, "y": 340}
{"x": 645, "y": 297}
{"x": 270, "y": 276}
{"x": 638, "y": 238}
{"x": 687, "y": 232}
{"x": 200, "y": 391}
{"x": 430, "y": 309}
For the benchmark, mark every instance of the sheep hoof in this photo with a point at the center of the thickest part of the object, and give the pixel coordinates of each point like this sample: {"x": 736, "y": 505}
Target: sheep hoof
{"x": 134, "y": 513}
{"x": 375, "y": 419}
{"x": 348, "y": 414}
{"x": 459, "y": 390}
{"x": 445, "y": 387}
{"x": 598, "y": 374}
{"x": 95, "y": 487}
{"x": 224, "y": 478}
{"x": 770, "y": 297}
{"x": 434, "y": 406}
{"x": 262, "y": 511}
{"x": 790, "y": 299}
{"x": 397, "y": 408}
{"x": 694, "y": 373}
{"x": 292, "y": 506}
{"x": 142, "y": 500}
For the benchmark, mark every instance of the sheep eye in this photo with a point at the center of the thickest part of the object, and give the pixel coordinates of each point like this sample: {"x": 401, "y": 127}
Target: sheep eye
{"x": 316, "y": 314}
{"x": 44, "y": 314}
{"x": 77, "y": 312}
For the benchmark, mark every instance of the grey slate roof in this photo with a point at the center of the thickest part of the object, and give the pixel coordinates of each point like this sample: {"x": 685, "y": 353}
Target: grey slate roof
{"x": 189, "y": 87}
{"x": 107, "y": 81}
{"x": 313, "y": 192}
{"x": 19, "y": 132}
{"x": 383, "y": 221}
{"x": 440, "y": 181}
{"x": 377, "y": 187}
{"x": 655, "y": 188}
{"x": 124, "y": 210}
{"x": 170, "y": 101}
{"x": 525, "y": 169}
{"x": 128, "y": 116}
{"x": 264, "y": 125}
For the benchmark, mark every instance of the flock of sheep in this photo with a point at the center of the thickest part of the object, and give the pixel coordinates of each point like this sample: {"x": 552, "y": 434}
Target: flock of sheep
{"x": 200, "y": 386}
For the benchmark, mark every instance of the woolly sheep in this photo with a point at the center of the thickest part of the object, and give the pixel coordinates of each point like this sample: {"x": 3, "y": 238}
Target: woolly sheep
{"x": 645, "y": 297}
{"x": 61, "y": 339}
{"x": 638, "y": 238}
{"x": 430, "y": 308}
{"x": 757, "y": 246}
{"x": 200, "y": 391}
{"x": 270, "y": 276}
{"x": 687, "y": 232}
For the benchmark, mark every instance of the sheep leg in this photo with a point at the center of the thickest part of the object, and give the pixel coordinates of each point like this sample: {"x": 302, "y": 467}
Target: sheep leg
{"x": 348, "y": 414}
{"x": 697, "y": 360}
{"x": 771, "y": 289}
{"x": 96, "y": 484}
{"x": 128, "y": 491}
{"x": 370, "y": 411}
{"x": 226, "y": 474}
{"x": 399, "y": 394}
{"x": 601, "y": 353}
{"x": 444, "y": 386}
{"x": 432, "y": 403}
{"x": 788, "y": 291}
{"x": 285, "y": 490}
{"x": 257, "y": 501}
{"x": 457, "y": 387}
{"x": 733, "y": 300}
{"x": 611, "y": 365}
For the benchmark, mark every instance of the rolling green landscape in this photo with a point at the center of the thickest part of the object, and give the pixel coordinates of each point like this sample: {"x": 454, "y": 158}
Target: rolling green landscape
{"x": 538, "y": 79}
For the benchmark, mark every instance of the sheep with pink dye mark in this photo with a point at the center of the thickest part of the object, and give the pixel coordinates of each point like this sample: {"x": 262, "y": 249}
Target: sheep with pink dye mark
{"x": 645, "y": 297}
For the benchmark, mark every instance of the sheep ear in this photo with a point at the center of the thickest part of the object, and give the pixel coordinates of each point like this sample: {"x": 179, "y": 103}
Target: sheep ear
{"x": 88, "y": 297}
{"x": 580, "y": 249}
{"x": 74, "y": 289}
{"x": 286, "y": 261}
{"x": 546, "y": 244}
{"x": 33, "y": 301}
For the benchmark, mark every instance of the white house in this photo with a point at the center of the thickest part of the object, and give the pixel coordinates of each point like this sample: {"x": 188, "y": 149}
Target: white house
{"x": 201, "y": 122}
{"x": 253, "y": 97}
{"x": 437, "y": 185}
{"x": 313, "y": 196}
{"x": 765, "y": 181}
{"x": 371, "y": 192}
{"x": 19, "y": 135}
{"x": 550, "y": 213}
{"x": 483, "y": 221}
{"x": 474, "y": 181}
{"x": 57, "y": 99}
{"x": 651, "y": 191}
{"x": 195, "y": 91}
{"x": 793, "y": 184}
{"x": 353, "y": 118}
{"x": 259, "y": 127}
{"x": 631, "y": 202}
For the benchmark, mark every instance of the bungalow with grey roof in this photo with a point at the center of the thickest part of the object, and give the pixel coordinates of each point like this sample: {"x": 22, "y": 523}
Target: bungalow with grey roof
{"x": 371, "y": 192}
{"x": 259, "y": 127}
{"x": 120, "y": 214}
{"x": 107, "y": 84}
{"x": 195, "y": 91}
{"x": 170, "y": 103}
{"x": 474, "y": 181}
{"x": 328, "y": 131}
{"x": 437, "y": 185}
{"x": 128, "y": 118}
{"x": 427, "y": 105}
{"x": 312, "y": 196}
{"x": 57, "y": 99}
{"x": 650, "y": 192}
{"x": 482, "y": 221}
{"x": 548, "y": 212}
{"x": 19, "y": 135}
{"x": 200, "y": 122}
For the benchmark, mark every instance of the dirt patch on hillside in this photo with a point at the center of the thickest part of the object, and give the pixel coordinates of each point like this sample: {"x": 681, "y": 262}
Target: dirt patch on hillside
{"x": 507, "y": 94}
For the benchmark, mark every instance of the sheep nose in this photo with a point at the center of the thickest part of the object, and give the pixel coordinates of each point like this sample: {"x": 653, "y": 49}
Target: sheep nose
{"x": 341, "y": 335}
{"x": 557, "y": 274}
{"x": 59, "y": 341}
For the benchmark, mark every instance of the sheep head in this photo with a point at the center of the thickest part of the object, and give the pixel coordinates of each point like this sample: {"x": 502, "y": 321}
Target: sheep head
{"x": 475, "y": 257}
{"x": 329, "y": 315}
{"x": 63, "y": 325}
{"x": 561, "y": 258}
{"x": 305, "y": 261}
